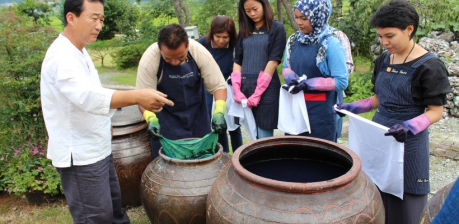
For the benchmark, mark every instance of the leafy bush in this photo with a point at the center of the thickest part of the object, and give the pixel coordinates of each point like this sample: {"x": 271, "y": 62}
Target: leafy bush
{"x": 129, "y": 56}
{"x": 359, "y": 87}
{"x": 22, "y": 128}
{"x": 31, "y": 171}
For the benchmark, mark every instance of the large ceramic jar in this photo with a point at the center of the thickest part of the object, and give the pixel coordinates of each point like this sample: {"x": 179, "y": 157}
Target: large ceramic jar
{"x": 435, "y": 203}
{"x": 131, "y": 152}
{"x": 294, "y": 179}
{"x": 175, "y": 190}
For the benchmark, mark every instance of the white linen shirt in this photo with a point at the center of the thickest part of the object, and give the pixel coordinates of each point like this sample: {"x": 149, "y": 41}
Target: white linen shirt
{"x": 76, "y": 108}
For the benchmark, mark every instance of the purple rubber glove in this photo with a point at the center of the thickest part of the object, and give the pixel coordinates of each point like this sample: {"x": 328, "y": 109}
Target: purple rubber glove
{"x": 414, "y": 126}
{"x": 300, "y": 86}
{"x": 357, "y": 107}
{"x": 262, "y": 84}
{"x": 290, "y": 76}
{"x": 236, "y": 82}
{"x": 321, "y": 84}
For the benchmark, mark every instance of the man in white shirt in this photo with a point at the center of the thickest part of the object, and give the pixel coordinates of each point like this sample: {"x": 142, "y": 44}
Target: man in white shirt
{"x": 77, "y": 111}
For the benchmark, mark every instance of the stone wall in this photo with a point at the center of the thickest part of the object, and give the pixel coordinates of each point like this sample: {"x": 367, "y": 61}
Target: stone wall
{"x": 446, "y": 48}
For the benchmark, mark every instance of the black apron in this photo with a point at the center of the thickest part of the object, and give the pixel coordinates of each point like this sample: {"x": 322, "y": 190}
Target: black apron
{"x": 254, "y": 60}
{"x": 318, "y": 103}
{"x": 188, "y": 118}
{"x": 396, "y": 104}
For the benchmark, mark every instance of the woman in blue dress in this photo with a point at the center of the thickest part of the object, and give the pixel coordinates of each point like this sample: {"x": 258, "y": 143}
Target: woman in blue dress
{"x": 259, "y": 49}
{"x": 315, "y": 52}
{"x": 410, "y": 86}
{"x": 221, "y": 43}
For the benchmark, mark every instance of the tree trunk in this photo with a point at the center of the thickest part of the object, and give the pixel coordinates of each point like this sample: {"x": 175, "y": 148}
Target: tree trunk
{"x": 279, "y": 11}
{"x": 290, "y": 14}
{"x": 187, "y": 13}
{"x": 178, "y": 12}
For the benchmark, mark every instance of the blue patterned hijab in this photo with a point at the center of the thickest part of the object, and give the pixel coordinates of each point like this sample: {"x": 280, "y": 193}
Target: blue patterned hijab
{"x": 318, "y": 12}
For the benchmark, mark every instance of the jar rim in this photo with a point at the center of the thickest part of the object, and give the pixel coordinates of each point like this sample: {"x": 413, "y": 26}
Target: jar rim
{"x": 293, "y": 187}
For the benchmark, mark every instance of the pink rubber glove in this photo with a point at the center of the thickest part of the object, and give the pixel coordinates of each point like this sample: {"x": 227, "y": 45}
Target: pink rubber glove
{"x": 320, "y": 84}
{"x": 236, "y": 82}
{"x": 415, "y": 126}
{"x": 357, "y": 107}
{"x": 262, "y": 84}
{"x": 290, "y": 76}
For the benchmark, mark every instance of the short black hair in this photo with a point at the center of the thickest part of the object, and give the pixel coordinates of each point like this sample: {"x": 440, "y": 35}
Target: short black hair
{"x": 76, "y": 7}
{"x": 396, "y": 13}
{"x": 172, "y": 36}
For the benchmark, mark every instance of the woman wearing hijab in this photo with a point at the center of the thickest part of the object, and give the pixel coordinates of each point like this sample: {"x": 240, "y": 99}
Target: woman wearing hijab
{"x": 315, "y": 52}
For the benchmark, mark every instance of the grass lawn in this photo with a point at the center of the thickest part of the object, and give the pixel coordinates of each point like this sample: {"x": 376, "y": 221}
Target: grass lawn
{"x": 115, "y": 77}
{"x": 56, "y": 23}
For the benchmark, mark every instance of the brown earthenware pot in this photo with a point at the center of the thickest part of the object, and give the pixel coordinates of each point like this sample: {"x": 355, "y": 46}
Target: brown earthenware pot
{"x": 131, "y": 152}
{"x": 294, "y": 179}
{"x": 435, "y": 203}
{"x": 175, "y": 190}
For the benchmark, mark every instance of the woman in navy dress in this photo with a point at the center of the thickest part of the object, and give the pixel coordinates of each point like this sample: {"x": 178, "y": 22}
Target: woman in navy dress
{"x": 259, "y": 49}
{"x": 221, "y": 43}
{"x": 410, "y": 86}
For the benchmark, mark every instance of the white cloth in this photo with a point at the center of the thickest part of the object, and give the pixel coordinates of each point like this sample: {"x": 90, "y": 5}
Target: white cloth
{"x": 230, "y": 123}
{"x": 293, "y": 115}
{"x": 244, "y": 113}
{"x": 76, "y": 108}
{"x": 381, "y": 156}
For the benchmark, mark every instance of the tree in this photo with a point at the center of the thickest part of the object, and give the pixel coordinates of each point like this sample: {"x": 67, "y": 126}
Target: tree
{"x": 37, "y": 10}
{"x": 103, "y": 48}
{"x": 120, "y": 18}
{"x": 289, "y": 12}
{"x": 206, "y": 10}
{"x": 180, "y": 5}
{"x": 154, "y": 14}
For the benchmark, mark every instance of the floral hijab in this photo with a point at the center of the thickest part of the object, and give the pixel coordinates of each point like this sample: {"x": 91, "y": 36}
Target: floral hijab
{"x": 318, "y": 12}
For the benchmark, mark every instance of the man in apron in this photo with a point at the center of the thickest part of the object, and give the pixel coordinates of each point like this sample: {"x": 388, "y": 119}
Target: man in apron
{"x": 183, "y": 69}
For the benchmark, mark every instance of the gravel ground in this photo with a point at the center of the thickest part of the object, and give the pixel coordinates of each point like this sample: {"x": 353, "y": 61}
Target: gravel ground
{"x": 442, "y": 170}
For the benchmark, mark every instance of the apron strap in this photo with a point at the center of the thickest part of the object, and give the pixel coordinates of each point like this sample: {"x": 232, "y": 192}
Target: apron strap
{"x": 424, "y": 58}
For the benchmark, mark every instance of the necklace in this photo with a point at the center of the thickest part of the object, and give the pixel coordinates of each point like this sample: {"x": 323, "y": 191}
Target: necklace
{"x": 393, "y": 56}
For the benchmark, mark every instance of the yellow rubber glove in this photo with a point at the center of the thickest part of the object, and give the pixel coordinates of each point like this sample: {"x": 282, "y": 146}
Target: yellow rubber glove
{"x": 218, "y": 118}
{"x": 153, "y": 124}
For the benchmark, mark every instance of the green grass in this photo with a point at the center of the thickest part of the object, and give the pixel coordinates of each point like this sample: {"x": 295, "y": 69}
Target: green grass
{"x": 128, "y": 77}
{"x": 57, "y": 24}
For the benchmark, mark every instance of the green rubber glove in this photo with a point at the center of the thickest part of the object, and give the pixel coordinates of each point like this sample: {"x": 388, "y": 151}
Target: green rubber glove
{"x": 218, "y": 117}
{"x": 153, "y": 124}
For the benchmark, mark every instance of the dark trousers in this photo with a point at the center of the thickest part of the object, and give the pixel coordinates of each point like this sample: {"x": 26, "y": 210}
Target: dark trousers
{"x": 406, "y": 211}
{"x": 93, "y": 193}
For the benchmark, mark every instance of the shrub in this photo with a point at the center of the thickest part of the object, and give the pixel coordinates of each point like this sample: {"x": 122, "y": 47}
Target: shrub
{"x": 22, "y": 128}
{"x": 129, "y": 56}
{"x": 359, "y": 87}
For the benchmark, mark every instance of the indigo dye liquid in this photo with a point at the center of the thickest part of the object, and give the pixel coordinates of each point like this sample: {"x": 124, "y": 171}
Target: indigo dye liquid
{"x": 296, "y": 170}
